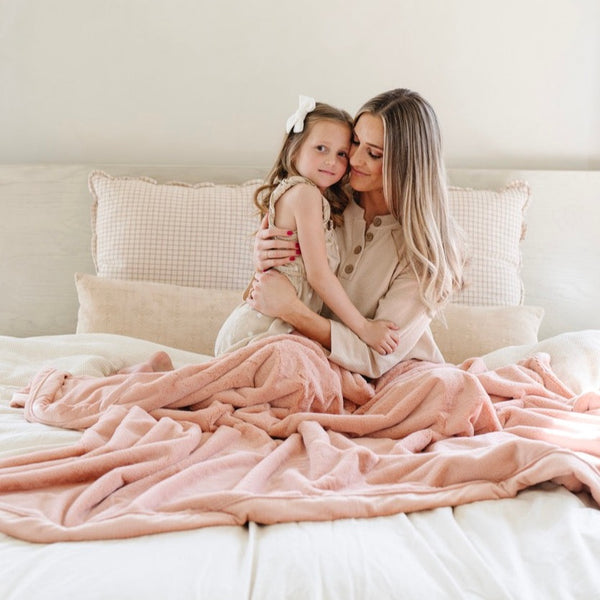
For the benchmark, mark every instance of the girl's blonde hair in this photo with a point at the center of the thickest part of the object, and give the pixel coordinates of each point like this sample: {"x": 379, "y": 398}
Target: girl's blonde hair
{"x": 415, "y": 188}
{"x": 284, "y": 166}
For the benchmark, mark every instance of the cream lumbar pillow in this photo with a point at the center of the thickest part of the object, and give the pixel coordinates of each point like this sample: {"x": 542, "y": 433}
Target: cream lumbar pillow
{"x": 189, "y": 318}
{"x": 471, "y": 331}
{"x": 182, "y": 317}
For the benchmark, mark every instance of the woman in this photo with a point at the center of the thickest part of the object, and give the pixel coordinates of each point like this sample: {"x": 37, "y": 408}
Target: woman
{"x": 401, "y": 254}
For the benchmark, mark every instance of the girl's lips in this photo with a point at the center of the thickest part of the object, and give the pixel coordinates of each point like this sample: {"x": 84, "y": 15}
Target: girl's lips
{"x": 357, "y": 172}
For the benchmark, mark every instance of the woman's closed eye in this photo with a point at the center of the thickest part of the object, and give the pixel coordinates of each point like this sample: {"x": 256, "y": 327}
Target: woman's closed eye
{"x": 371, "y": 153}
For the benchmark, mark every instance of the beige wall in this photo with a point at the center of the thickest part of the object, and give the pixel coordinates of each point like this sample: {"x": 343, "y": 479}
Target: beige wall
{"x": 516, "y": 83}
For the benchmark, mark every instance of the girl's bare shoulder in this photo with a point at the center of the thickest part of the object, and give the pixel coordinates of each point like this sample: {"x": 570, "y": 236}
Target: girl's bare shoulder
{"x": 302, "y": 192}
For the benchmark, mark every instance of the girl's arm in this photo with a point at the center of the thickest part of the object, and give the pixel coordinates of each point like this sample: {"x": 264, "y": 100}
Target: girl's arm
{"x": 302, "y": 206}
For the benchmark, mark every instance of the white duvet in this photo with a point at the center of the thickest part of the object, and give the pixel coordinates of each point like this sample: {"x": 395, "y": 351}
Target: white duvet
{"x": 545, "y": 543}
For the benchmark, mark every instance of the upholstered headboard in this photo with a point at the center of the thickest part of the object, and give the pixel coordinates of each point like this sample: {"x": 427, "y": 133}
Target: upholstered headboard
{"x": 45, "y": 238}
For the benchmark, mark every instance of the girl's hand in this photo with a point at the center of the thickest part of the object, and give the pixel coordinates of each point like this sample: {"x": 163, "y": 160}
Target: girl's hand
{"x": 381, "y": 335}
{"x": 272, "y": 294}
{"x": 270, "y": 252}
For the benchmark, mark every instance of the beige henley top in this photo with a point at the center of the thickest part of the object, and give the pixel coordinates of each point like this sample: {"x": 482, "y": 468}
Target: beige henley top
{"x": 374, "y": 280}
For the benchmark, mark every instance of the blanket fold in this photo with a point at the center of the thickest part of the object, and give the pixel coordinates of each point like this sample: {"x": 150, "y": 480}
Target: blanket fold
{"x": 275, "y": 432}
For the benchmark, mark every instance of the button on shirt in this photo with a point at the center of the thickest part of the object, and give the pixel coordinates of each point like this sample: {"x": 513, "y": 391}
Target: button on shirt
{"x": 377, "y": 285}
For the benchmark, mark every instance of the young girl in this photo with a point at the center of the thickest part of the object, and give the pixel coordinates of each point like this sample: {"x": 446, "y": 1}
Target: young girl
{"x": 305, "y": 194}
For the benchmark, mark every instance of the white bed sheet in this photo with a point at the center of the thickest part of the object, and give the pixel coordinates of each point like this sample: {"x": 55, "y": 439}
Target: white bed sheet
{"x": 545, "y": 543}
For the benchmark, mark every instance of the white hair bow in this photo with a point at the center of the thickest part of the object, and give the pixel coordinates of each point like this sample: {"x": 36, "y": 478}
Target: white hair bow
{"x": 306, "y": 104}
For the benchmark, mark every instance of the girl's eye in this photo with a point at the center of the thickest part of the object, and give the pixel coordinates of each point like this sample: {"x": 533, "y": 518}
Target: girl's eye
{"x": 343, "y": 154}
{"x": 321, "y": 148}
{"x": 375, "y": 156}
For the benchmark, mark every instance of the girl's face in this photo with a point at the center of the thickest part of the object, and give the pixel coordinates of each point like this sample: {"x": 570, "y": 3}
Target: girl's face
{"x": 366, "y": 154}
{"x": 323, "y": 155}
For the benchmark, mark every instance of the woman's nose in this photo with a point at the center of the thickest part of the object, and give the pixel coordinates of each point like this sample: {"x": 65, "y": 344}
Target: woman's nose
{"x": 355, "y": 156}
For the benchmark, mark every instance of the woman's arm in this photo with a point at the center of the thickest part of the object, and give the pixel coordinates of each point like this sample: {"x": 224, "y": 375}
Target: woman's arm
{"x": 273, "y": 295}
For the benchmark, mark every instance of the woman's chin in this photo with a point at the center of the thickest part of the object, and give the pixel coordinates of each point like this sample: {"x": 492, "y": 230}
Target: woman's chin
{"x": 359, "y": 183}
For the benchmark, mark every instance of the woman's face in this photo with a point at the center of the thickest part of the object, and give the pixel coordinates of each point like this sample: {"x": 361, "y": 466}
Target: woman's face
{"x": 366, "y": 154}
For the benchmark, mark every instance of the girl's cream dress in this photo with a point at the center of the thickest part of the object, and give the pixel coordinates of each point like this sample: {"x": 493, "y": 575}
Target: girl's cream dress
{"x": 245, "y": 324}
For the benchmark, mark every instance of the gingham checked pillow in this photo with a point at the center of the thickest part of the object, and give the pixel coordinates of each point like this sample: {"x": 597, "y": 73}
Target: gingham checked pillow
{"x": 201, "y": 235}
{"x": 494, "y": 225}
{"x": 190, "y": 235}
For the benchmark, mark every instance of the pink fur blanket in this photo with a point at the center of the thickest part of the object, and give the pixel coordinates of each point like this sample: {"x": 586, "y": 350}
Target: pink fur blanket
{"x": 275, "y": 432}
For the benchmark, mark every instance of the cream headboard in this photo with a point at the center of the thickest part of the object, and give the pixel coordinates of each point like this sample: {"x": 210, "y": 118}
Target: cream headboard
{"x": 45, "y": 238}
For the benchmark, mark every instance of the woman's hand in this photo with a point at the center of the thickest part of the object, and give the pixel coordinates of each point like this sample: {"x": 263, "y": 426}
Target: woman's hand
{"x": 270, "y": 252}
{"x": 272, "y": 294}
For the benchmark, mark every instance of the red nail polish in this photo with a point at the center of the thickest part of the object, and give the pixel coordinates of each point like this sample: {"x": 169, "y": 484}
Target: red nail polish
{"x": 298, "y": 251}
{"x": 292, "y": 258}
{"x": 290, "y": 232}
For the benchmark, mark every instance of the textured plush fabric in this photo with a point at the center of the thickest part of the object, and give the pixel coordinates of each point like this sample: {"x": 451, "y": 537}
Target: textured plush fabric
{"x": 274, "y": 433}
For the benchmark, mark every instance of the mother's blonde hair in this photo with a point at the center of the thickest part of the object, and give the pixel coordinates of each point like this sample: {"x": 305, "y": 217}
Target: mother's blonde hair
{"x": 415, "y": 188}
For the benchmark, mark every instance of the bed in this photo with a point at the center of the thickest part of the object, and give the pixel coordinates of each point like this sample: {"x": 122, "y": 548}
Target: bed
{"x": 80, "y": 297}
